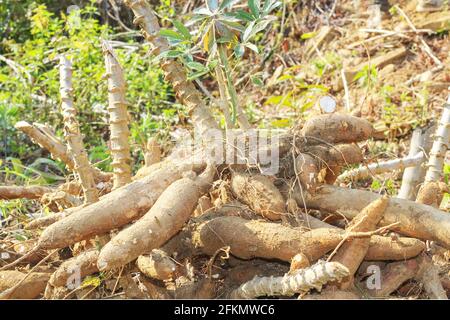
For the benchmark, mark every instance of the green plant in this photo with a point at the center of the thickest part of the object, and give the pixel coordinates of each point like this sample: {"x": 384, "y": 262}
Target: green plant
{"x": 29, "y": 80}
{"x": 219, "y": 28}
{"x": 299, "y": 94}
{"x": 367, "y": 77}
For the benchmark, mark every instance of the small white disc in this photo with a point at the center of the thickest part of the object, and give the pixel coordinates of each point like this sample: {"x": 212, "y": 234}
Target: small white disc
{"x": 327, "y": 104}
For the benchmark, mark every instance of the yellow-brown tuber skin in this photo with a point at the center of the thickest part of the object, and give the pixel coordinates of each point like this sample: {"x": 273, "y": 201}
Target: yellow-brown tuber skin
{"x": 17, "y": 192}
{"x": 250, "y": 238}
{"x": 259, "y": 193}
{"x": 336, "y": 128}
{"x": 157, "y": 265}
{"x": 32, "y": 287}
{"x": 168, "y": 215}
{"x": 353, "y": 251}
{"x": 432, "y": 193}
{"x": 113, "y": 210}
{"x": 415, "y": 219}
{"x": 118, "y": 118}
{"x": 85, "y": 263}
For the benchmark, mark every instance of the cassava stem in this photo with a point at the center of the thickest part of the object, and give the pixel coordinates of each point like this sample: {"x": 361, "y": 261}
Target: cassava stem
{"x": 118, "y": 118}
{"x": 413, "y": 176}
{"x": 185, "y": 90}
{"x": 381, "y": 167}
{"x": 302, "y": 280}
{"x": 51, "y": 143}
{"x": 440, "y": 146}
{"x": 72, "y": 133}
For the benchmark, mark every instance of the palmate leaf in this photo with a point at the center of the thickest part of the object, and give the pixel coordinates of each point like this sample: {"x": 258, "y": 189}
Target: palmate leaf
{"x": 196, "y": 75}
{"x": 233, "y": 25}
{"x": 196, "y": 66}
{"x": 171, "y": 35}
{"x": 254, "y": 7}
{"x": 242, "y": 15}
{"x": 228, "y": 4}
{"x": 253, "y": 28}
{"x": 182, "y": 29}
{"x": 202, "y": 11}
{"x": 170, "y": 54}
{"x": 212, "y": 5}
{"x": 270, "y": 5}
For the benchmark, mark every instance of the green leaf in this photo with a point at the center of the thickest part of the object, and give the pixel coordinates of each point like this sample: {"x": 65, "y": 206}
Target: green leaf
{"x": 170, "y": 54}
{"x": 212, "y": 5}
{"x": 248, "y": 32}
{"x": 242, "y": 15}
{"x": 274, "y": 100}
{"x": 196, "y": 66}
{"x": 252, "y": 47}
{"x": 285, "y": 77}
{"x": 253, "y": 29}
{"x": 4, "y": 77}
{"x": 254, "y": 7}
{"x": 91, "y": 281}
{"x": 308, "y": 35}
{"x": 202, "y": 11}
{"x": 182, "y": 29}
{"x": 227, "y": 4}
{"x": 239, "y": 50}
{"x": 257, "y": 81}
{"x": 281, "y": 123}
{"x": 270, "y": 5}
{"x": 233, "y": 25}
{"x": 213, "y": 64}
{"x": 171, "y": 34}
{"x": 198, "y": 74}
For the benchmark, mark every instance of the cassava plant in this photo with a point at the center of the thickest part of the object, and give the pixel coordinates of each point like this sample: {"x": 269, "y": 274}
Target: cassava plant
{"x": 196, "y": 228}
{"x": 220, "y": 30}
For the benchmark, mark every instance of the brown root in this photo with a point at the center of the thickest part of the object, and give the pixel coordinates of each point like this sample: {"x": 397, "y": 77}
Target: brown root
{"x": 32, "y": 287}
{"x": 336, "y": 128}
{"x": 259, "y": 193}
{"x": 81, "y": 266}
{"x": 250, "y": 239}
{"x": 157, "y": 265}
{"x": 160, "y": 223}
{"x": 431, "y": 193}
{"x": 352, "y": 252}
{"x": 415, "y": 220}
{"x": 113, "y": 210}
{"x": 18, "y": 192}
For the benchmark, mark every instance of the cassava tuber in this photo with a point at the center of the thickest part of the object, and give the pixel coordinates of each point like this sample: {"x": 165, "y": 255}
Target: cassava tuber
{"x": 81, "y": 265}
{"x": 416, "y": 220}
{"x": 30, "y": 288}
{"x": 336, "y": 128}
{"x": 17, "y": 192}
{"x": 157, "y": 264}
{"x": 353, "y": 251}
{"x": 249, "y": 239}
{"x": 259, "y": 193}
{"x": 113, "y": 210}
{"x": 168, "y": 215}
